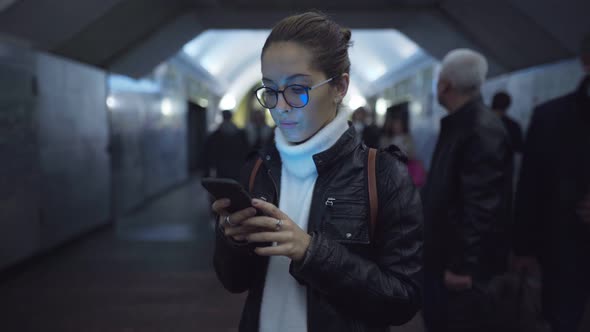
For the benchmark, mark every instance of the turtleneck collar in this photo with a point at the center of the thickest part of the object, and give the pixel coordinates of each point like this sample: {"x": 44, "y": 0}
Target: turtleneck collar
{"x": 297, "y": 159}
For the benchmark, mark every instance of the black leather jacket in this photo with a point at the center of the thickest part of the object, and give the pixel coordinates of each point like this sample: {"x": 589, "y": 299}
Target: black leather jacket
{"x": 353, "y": 283}
{"x": 467, "y": 198}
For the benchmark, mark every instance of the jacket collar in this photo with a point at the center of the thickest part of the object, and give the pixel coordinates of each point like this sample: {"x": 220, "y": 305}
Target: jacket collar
{"x": 343, "y": 147}
{"x": 463, "y": 114}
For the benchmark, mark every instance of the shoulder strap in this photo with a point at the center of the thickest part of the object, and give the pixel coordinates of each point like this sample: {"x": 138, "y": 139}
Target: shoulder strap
{"x": 253, "y": 174}
{"x": 373, "y": 199}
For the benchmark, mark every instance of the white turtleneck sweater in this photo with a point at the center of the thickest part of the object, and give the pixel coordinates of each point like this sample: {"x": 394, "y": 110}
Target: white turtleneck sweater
{"x": 284, "y": 302}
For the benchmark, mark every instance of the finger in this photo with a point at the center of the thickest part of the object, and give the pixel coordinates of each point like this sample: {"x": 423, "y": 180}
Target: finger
{"x": 242, "y": 230}
{"x": 264, "y": 222}
{"x": 220, "y": 205}
{"x": 239, "y": 238}
{"x": 238, "y": 217}
{"x": 280, "y": 250}
{"x": 269, "y": 237}
{"x": 269, "y": 209}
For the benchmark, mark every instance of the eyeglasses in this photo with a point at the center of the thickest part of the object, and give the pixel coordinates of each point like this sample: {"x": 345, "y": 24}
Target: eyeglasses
{"x": 296, "y": 95}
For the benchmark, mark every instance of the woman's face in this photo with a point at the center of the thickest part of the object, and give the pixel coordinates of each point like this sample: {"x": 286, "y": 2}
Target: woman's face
{"x": 398, "y": 128}
{"x": 286, "y": 63}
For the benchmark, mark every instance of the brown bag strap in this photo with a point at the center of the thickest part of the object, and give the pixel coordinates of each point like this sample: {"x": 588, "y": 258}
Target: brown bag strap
{"x": 253, "y": 174}
{"x": 373, "y": 199}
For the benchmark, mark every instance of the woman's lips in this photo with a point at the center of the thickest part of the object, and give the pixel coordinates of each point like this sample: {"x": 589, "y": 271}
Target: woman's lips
{"x": 288, "y": 124}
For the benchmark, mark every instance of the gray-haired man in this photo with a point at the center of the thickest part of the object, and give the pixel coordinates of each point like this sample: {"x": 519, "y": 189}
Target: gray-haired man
{"x": 467, "y": 201}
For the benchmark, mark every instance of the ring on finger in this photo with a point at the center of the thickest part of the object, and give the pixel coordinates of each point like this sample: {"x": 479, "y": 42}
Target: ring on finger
{"x": 227, "y": 221}
{"x": 279, "y": 224}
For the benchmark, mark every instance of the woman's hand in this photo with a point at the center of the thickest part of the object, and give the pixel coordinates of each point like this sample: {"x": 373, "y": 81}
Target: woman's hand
{"x": 457, "y": 282}
{"x": 232, "y": 223}
{"x": 276, "y": 226}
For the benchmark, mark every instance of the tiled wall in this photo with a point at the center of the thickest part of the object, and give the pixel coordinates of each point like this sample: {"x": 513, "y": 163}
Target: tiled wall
{"x": 73, "y": 136}
{"x": 55, "y": 177}
{"x": 19, "y": 165}
{"x": 149, "y": 146}
{"x": 68, "y": 163}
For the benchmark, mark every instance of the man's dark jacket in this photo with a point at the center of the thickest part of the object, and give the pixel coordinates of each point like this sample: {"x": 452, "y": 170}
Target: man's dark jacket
{"x": 354, "y": 283}
{"x": 554, "y": 178}
{"x": 467, "y": 198}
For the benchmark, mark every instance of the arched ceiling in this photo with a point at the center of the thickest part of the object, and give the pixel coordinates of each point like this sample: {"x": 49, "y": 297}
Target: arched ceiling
{"x": 233, "y": 57}
{"x": 132, "y": 36}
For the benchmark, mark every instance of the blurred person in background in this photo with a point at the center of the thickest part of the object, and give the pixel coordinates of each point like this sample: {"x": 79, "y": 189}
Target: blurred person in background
{"x": 395, "y": 132}
{"x": 552, "y": 207}
{"x": 258, "y": 132}
{"x": 365, "y": 128}
{"x": 467, "y": 202}
{"x": 500, "y": 104}
{"x": 225, "y": 150}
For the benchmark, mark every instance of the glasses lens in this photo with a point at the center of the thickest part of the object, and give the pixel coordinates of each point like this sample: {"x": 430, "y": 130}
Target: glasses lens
{"x": 267, "y": 97}
{"x": 296, "y": 95}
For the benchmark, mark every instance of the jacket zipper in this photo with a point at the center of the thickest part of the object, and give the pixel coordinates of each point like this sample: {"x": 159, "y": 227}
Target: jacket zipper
{"x": 331, "y": 201}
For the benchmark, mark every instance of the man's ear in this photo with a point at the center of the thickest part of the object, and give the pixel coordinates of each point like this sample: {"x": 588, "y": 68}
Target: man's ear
{"x": 341, "y": 87}
{"x": 443, "y": 86}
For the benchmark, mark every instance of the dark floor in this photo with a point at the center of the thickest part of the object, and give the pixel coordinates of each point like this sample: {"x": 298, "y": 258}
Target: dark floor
{"x": 152, "y": 273}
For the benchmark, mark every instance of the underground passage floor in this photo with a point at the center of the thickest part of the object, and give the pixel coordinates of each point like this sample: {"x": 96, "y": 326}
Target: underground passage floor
{"x": 150, "y": 272}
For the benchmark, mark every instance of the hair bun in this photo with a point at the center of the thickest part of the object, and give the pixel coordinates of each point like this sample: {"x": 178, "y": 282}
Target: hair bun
{"x": 325, "y": 39}
{"x": 346, "y": 34}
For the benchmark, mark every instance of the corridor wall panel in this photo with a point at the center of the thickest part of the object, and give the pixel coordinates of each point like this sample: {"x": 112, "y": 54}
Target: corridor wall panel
{"x": 19, "y": 167}
{"x": 73, "y": 139}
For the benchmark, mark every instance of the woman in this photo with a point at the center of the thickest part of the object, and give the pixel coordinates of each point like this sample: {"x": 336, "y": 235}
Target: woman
{"x": 394, "y": 132}
{"x": 307, "y": 260}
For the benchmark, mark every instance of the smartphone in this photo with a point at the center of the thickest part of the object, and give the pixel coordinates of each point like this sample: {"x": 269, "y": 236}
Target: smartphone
{"x": 228, "y": 188}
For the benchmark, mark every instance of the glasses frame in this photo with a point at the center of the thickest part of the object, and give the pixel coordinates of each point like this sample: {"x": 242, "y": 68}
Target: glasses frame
{"x": 277, "y": 92}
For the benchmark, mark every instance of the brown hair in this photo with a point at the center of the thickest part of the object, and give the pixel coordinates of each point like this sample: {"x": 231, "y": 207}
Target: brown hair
{"x": 327, "y": 41}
